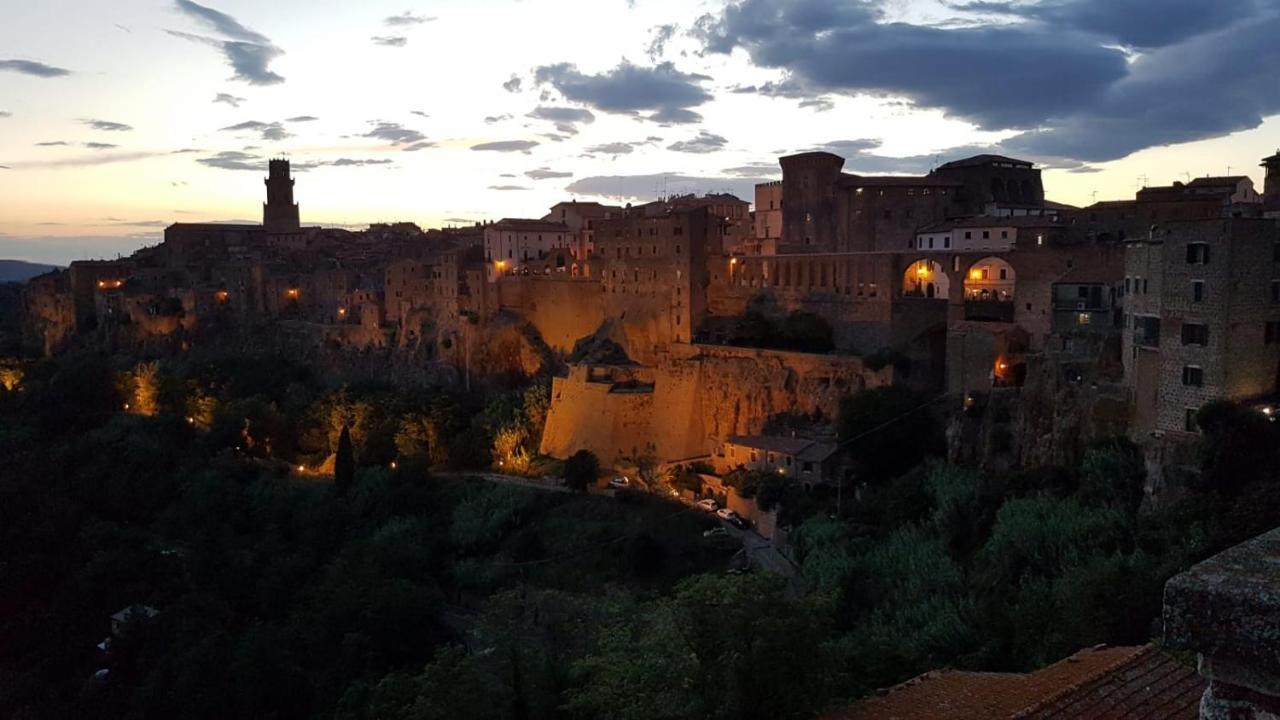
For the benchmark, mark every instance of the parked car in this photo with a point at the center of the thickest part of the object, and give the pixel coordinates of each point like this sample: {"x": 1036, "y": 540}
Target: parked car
{"x": 622, "y": 482}
{"x": 715, "y": 532}
{"x": 731, "y": 517}
{"x": 708, "y": 505}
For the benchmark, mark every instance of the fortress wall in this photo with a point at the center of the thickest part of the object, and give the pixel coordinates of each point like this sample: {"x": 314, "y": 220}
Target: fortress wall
{"x": 588, "y": 415}
{"x": 702, "y": 394}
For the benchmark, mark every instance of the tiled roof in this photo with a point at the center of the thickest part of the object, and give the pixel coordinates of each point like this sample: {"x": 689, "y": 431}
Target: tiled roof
{"x": 1124, "y": 683}
{"x": 802, "y": 448}
{"x": 1217, "y": 181}
{"x": 530, "y": 225}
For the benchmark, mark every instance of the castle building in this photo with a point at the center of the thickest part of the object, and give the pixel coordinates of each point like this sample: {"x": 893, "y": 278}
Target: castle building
{"x": 516, "y": 246}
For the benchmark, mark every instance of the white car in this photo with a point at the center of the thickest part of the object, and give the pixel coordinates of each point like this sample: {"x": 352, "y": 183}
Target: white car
{"x": 622, "y": 481}
{"x": 708, "y": 505}
{"x": 731, "y": 517}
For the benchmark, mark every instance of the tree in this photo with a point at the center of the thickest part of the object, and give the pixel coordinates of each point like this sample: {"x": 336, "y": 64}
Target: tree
{"x": 581, "y": 470}
{"x": 889, "y": 430}
{"x": 344, "y": 463}
{"x": 807, "y": 332}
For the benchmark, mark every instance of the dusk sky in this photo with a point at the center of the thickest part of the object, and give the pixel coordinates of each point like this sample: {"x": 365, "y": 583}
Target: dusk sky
{"x": 118, "y": 118}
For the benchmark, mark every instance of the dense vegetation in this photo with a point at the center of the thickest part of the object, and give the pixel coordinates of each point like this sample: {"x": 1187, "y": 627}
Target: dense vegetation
{"x": 407, "y": 591}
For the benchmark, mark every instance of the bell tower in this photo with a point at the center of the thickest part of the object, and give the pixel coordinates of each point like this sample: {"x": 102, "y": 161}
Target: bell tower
{"x": 1271, "y": 186}
{"x": 280, "y": 212}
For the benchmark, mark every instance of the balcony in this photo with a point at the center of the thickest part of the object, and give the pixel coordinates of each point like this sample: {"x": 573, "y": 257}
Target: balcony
{"x": 989, "y": 310}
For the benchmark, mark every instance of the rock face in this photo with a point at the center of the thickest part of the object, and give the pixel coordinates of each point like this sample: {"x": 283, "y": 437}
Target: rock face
{"x": 693, "y": 398}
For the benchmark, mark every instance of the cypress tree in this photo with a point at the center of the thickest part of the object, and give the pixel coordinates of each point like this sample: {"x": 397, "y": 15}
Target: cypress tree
{"x": 344, "y": 463}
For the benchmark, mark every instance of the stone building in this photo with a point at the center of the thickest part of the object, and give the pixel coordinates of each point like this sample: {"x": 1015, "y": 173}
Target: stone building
{"x": 514, "y": 246}
{"x": 1202, "y": 317}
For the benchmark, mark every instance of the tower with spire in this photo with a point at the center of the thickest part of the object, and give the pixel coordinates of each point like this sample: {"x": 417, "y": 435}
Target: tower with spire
{"x": 279, "y": 212}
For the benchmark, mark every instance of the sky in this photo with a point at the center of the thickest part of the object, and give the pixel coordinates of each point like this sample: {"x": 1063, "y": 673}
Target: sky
{"x": 117, "y": 119}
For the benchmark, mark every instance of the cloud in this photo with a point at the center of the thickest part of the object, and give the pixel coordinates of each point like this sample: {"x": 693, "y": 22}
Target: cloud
{"x": 30, "y": 67}
{"x": 407, "y": 17}
{"x": 546, "y": 174}
{"x": 630, "y": 89}
{"x": 53, "y": 143}
{"x": 5, "y": 114}
{"x": 272, "y": 131}
{"x": 613, "y": 148}
{"x": 302, "y": 118}
{"x": 523, "y": 146}
{"x": 232, "y": 160}
{"x": 418, "y": 146}
{"x": 1144, "y": 24}
{"x": 355, "y": 162}
{"x": 513, "y": 85}
{"x": 1209, "y": 86}
{"x": 755, "y": 170}
{"x": 97, "y": 158}
{"x": 106, "y": 125}
{"x": 184, "y": 151}
{"x": 661, "y": 35}
{"x": 236, "y": 160}
{"x": 229, "y": 99}
{"x": 818, "y": 104}
{"x": 846, "y": 48}
{"x": 99, "y": 146}
{"x": 705, "y": 142}
{"x": 642, "y": 187}
{"x": 396, "y": 134}
{"x": 248, "y": 52}
{"x": 507, "y": 187}
{"x": 1080, "y": 80}
{"x": 566, "y": 119}
{"x": 491, "y": 119}
{"x": 419, "y": 113}
{"x": 390, "y": 40}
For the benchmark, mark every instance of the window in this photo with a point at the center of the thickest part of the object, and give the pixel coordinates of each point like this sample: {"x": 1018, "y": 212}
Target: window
{"x": 931, "y": 247}
{"x": 1127, "y": 284}
{"x": 968, "y": 235}
{"x": 1195, "y": 334}
{"x": 1275, "y": 252}
{"x": 1189, "y": 422}
{"x": 1083, "y": 318}
{"x": 1197, "y": 290}
{"x": 1146, "y": 331}
{"x": 1039, "y": 239}
{"x": 1144, "y": 285}
{"x": 1271, "y": 336}
{"x": 1197, "y": 253}
{"x": 1192, "y": 376}
{"x": 986, "y": 234}
{"x": 1004, "y": 234}
{"x": 946, "y": 241}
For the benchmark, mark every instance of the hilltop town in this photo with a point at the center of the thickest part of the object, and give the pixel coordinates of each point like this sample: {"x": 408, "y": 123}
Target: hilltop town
{"x": 681, "y": 327}
{"x": 953, "y": 423}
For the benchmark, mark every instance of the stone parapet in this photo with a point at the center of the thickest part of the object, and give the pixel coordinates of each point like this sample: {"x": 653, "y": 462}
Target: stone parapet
{"x": 1227, "y": 609}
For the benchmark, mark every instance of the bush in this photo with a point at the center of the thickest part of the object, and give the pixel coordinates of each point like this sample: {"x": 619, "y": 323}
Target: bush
{"x": 581, "y": 470}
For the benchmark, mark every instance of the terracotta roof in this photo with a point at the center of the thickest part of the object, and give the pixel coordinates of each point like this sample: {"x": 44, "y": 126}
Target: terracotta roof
{"x": 1217, "y": 180}
{"x": 529, "y": 224}
{"x": 802, "y": 448}
{"x": 1123, "y": 683}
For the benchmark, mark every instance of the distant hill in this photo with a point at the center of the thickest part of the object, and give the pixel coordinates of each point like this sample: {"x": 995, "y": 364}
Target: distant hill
{"x": 22, "y": 271}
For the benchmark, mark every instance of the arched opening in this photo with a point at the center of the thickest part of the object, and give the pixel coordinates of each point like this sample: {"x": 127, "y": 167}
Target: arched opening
{"x": 998, "y": 191}
{"x": 925, "y": 279}
{"x": 989, "y": 288}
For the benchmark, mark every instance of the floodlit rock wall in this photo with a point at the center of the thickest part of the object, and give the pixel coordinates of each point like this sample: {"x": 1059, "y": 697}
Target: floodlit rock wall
{"x": 700, "y": 395}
